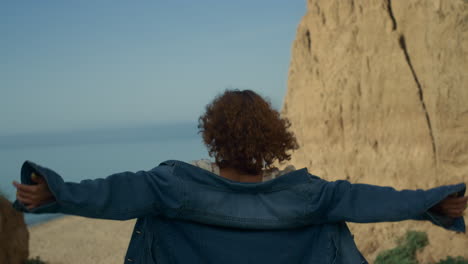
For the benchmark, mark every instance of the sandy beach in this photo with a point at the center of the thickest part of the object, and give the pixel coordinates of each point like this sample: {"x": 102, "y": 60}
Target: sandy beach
{"x": 77, "y": 240}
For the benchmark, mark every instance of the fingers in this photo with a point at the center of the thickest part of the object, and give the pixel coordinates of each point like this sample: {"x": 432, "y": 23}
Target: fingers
{"x": 24, "y": 187}
{"x": 29, "y": 202}
{"x": 26, "y": 195}
{"x": 455, "y": 208}
{"x": 463, "y": 198}
{"x": 24, "y": 199}
{"x": 455, "y": 213}
{"x": 455, "y": 202}
{"x": 459, "y": 199}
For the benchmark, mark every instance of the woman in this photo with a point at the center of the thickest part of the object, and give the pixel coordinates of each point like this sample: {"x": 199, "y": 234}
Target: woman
{"x": 228, "y": 214}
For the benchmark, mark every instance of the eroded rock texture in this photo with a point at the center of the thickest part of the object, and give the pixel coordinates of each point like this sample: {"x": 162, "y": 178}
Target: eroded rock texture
{"x": 14, "y": 236}
{"x": 378, "y": 94}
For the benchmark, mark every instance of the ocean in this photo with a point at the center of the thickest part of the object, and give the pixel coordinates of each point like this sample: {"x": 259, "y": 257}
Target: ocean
{"x": 86, "y": 159}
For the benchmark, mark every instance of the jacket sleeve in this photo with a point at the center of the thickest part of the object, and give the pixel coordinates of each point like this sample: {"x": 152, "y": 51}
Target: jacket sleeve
{"x": 363, "y": 203}
{"x": 120, "y": 196}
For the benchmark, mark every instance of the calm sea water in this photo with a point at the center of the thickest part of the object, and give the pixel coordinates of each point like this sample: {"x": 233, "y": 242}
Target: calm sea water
{"x": 89, "y": 161}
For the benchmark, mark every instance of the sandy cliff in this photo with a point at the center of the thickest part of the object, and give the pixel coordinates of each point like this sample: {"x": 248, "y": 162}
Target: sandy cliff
{"x": 14, "y": 235}
{"x": 378, "y": 94}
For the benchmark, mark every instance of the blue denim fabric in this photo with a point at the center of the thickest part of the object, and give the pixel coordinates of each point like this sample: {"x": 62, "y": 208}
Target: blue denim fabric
{"x": 190, "y": 215}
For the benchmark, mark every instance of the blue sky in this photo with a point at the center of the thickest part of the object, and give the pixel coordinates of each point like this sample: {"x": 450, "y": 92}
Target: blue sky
{"x": 72, "y": 65}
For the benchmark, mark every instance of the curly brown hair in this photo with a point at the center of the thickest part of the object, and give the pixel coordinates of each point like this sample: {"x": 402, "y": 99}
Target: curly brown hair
{"x": 242, "y": 131}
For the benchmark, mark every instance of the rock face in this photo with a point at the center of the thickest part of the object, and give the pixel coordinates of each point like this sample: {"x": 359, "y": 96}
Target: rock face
{"x": 378, "y": 94}
{"x": 14, "y": 242}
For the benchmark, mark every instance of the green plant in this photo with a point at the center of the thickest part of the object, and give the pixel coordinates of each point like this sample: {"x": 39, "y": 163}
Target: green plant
{"x": 405, "y": 251}
{"x": 452, "y": 260}
{"x": 36, "y": 260}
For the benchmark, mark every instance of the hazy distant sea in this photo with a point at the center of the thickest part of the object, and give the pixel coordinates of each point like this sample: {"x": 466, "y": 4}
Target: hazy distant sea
{"x": 88, "y": 157}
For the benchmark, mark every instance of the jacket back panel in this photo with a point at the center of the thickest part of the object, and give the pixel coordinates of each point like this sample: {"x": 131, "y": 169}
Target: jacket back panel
{"x": 174, "y": 241}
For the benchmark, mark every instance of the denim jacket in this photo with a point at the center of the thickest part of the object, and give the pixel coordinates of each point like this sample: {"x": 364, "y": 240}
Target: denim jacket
{"x": 190, "y": 215}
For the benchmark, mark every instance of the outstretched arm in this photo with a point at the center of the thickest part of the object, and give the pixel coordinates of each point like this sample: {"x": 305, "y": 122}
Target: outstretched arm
{"x": 120, "y": 196}
{"x": 365, "y": 203}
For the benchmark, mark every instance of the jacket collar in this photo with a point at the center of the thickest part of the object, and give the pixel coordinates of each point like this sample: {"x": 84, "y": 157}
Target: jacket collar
{"x": 196, "y": 175}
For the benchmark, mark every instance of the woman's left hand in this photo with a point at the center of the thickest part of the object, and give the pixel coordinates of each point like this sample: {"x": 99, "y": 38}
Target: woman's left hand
{"x": 451, "y": 206}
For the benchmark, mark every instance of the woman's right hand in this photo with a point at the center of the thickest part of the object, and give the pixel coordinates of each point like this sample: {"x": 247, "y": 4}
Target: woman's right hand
{"x": 34, "y": 195}
{"x": 451, "y": 206}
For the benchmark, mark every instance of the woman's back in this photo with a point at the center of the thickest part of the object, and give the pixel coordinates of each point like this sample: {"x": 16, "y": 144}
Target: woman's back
{"x": 237, "y": 236}
{"x": 177, "y": 241}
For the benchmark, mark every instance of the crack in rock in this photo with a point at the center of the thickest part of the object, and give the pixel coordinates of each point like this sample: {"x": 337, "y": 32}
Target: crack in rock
{"x": 309, "y": 41}
{"x": 390, "y": 13}
{"x": 420, "y": 93}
